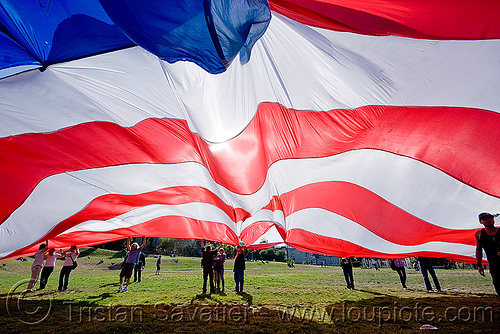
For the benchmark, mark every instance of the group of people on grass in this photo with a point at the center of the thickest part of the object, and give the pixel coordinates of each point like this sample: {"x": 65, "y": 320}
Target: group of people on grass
{"x": 212, "y": 263}
{"x": 487, "y": 239}
{"x": 44, "y": 263}
{"x": 397, "y": 265}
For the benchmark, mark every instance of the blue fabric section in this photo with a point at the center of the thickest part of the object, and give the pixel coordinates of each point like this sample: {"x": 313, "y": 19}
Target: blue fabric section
{"x": 56, "y": 31}
{"x": 173, "y": 30}
{"x": 13, "y": 56}
{"x": 239, "y": 24}
{"x": 209, "y": 33}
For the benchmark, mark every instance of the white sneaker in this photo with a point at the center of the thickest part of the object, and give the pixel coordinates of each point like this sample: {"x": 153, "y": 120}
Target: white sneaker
{"x": 120, "y": 289}
{"x": 124, "y": 289}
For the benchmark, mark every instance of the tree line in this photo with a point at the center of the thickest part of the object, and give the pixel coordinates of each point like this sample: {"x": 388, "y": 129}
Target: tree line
{"x": 191, "y": 248}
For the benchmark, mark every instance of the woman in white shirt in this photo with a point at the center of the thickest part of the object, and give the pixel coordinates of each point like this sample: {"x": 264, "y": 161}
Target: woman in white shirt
{"x": 48, "y": 268}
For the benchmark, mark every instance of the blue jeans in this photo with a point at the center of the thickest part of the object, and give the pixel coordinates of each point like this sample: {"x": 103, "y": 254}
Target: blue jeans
{"x": 219, "y": 276}
{"x": 239, "y": 278}
{"x": 348, "y": 277}
{"x": 426, "y": 266}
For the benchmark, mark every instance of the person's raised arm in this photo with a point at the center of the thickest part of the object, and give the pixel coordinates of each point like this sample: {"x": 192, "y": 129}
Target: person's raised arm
{"x": 202, "y": 243}
{"x": 143, "y": 241}
{"x": 128, "y": 243}
{"x": 479, "y": 253}
{"x": 46, "y": 249}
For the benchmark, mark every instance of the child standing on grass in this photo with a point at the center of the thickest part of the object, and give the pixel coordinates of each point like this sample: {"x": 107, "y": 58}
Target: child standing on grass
{"x": 158, "y": 265}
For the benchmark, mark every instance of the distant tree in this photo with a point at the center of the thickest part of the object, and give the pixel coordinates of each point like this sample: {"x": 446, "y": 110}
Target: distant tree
{"x": 178, "y": 247}
{"x": 190, "y": 248}
{"x": 270, "y": 254}
{"x": 230, "y": 251}
{"x": 166, "y": 246}
{"x": 117, "y": 245}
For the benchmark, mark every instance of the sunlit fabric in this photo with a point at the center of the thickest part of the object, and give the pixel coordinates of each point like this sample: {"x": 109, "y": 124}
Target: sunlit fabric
{"x": 337, "y": 127}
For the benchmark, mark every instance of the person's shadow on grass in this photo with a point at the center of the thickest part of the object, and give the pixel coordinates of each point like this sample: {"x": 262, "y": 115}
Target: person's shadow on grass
{"x": 247, "y": 297}
{"x": 102, "y": 296}
{"x": 202, "y": 296}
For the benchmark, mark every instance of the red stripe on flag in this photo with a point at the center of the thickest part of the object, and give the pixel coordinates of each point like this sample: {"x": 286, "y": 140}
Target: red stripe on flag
{"x": 110, "y": 206}
{"x": 450, "y": 139}
{"x": 457, "y": 19}
{"x": 372, "y": 212}
{"x": 173, "y": 226}
{"x": 311, "y": 242}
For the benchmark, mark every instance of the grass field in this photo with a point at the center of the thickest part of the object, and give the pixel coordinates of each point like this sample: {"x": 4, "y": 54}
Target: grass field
{"x": 276, "y": 299}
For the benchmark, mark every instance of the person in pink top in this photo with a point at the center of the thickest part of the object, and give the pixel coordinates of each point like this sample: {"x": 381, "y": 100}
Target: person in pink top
{"x": 37, "y": 266}
{"x": 399, "y": 267}
{"x": 219, "y": 269}
{"x": 68, "y": 265}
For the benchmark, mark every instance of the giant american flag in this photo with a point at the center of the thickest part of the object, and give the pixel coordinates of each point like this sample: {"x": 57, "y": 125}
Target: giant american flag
{"x": 342, "y": 127}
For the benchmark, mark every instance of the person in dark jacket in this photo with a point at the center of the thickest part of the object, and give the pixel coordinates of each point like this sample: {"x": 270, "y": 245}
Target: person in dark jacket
{"x": 239, "y": 269}
{"x": 207, "y": 263}
{"x": 488, "y": 239}
{"x": 346, "y": 264}
{"x": 139, "y": 267}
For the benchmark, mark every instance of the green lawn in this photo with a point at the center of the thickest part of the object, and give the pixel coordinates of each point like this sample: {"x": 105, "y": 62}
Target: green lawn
{"x": 276, "y": 299}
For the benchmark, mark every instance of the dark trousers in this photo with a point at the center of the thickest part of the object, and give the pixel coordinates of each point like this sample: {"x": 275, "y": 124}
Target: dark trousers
{"x": 495, "y": 275}
{"x": 64, "y": 278}
{"x": 137, "y": 272}
{"x": 426, "y": 267}
{"x": 348, "y": 277}
{"x": 402, "y": 275}
{"x": 239, "y": 279}
{"x": 219, "y": 276}
{"x": 44, "y": 277}
{"x": 208, "y": 273}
